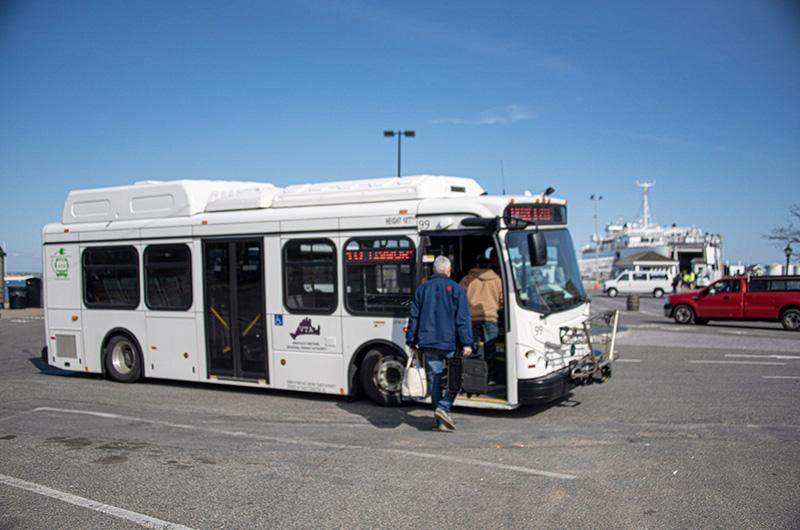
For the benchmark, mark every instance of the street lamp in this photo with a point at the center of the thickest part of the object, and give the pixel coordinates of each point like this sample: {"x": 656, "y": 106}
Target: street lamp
{"x": 788, "y": 252}
{"x": 596, "y": 199}
{"x": 399, "y": 134}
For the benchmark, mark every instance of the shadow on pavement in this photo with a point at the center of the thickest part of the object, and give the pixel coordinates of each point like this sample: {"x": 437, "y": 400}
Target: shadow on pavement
{"x": 389, "y": 417}
{"x": 754, "y": 325}
{"x": 46, "y": 369}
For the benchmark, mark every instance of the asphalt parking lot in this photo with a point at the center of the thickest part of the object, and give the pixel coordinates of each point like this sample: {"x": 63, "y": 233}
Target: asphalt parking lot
{"x": 698, "y": 427}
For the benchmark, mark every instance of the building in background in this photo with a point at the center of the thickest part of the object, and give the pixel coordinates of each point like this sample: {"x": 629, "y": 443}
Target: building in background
{"x": 690, "y": 247}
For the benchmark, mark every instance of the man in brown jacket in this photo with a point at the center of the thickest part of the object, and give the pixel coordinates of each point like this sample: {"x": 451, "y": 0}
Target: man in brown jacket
{"x": 485, "y": 294}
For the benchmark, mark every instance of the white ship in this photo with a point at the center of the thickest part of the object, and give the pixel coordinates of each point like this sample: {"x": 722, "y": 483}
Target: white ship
{"x": 683, "y": 248}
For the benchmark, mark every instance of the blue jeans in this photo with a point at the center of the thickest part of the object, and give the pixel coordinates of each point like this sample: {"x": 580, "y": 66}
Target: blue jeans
{"x": 485, "y": 330}
{"x": 434, "y": 366}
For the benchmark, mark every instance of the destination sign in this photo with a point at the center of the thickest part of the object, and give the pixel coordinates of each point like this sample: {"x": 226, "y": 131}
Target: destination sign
{"x": 541, "y": 214}
{"x": 379, "y": 256}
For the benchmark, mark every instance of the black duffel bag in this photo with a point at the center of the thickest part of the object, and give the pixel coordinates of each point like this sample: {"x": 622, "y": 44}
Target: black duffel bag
{"x": 467, "y": 375}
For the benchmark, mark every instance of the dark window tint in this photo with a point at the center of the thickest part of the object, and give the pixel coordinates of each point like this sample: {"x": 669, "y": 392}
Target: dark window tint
{"x": 793, "y": 285}
{"x": 658, "y": 277}
{"x": 379, "y": 275}
{"x": 168, "y": 277}
{"x": 758, "y": 286}
{"x": 640, "y": 277}
{"x": 727, "y": 286}
{"x": 309, "y": 279}
{"x": 111, "y": 278}
{"x": 777, "y": 285}
{"x": 623, "y": 278}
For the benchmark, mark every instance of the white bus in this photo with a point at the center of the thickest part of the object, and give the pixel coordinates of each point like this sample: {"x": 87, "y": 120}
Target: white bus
{"x": 305, "y": 287}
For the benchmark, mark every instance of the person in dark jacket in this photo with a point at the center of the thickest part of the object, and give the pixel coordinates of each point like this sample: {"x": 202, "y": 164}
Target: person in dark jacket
{"x": 439, "y": 324}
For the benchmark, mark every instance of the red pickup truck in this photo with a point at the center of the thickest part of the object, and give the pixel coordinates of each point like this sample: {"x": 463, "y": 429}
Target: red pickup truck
{"x": 769, "y": 298}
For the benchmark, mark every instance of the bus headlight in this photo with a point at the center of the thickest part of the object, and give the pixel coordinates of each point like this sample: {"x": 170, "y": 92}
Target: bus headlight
{"x": 535, "y": 360}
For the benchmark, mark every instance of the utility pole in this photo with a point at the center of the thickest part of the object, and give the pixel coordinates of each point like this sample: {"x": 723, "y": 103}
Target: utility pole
{"x": 399, "y": 134}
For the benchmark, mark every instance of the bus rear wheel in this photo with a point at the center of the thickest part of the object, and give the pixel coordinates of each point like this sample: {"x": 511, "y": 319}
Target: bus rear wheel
{"x": 381, "y": 375}
{"x": 123, "y": 359}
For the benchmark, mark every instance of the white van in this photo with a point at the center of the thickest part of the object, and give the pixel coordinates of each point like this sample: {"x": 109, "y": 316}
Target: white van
{"x": 639, "y": 282}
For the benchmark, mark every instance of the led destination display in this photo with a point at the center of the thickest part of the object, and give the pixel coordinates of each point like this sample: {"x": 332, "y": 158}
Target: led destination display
{"x": 542, "y": 214}
{"x": 379, "y": 256}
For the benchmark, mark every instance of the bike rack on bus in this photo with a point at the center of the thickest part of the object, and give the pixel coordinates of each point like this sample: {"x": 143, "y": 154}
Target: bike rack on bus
{"x": 598, "y": 334}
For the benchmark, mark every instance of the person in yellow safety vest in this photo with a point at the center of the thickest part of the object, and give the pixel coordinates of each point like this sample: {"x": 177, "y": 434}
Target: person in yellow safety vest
{"x": 685, "y": 280}
{"x": 692, "y": 279}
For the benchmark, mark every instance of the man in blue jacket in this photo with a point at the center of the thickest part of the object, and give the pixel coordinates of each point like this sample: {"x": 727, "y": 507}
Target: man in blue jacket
{"x": 438, "y": 324}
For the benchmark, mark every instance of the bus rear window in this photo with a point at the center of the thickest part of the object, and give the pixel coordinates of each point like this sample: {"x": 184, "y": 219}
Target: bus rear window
{"x": 111, "y": 277}
{"x": 379, "y": 275}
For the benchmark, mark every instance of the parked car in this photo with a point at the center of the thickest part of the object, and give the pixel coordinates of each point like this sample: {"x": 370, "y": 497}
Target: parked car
{"x": 765, "y": 298}
{"x": 639, "y": 282}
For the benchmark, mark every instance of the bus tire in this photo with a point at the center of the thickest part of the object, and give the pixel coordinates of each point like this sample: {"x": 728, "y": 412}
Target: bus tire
{"x": 658, "y": 292}
{"x": 790, "y": 319}
{"x": 611, "y": 293}
{"x": 381, "y": 375}
{"x": 123, "y": 359}
{"x": 683, "y": 314}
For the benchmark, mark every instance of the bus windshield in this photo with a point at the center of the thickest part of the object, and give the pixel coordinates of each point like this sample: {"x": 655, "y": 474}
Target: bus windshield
{"x": 549, "y": 288}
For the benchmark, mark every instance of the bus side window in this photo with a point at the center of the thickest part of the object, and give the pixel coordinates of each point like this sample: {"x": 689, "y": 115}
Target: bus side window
{"x": 309, "y": 276}
{"x": 379, "y": 275}
{"x": 111, "y": 277}
{"x": 168, "y": 277}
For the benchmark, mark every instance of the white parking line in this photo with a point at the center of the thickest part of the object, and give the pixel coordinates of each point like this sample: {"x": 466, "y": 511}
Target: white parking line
{"x": 756, "y": 356}
{"x": 762, "y": 363}
{"x": 314, "y": 443}
{"x": 627, "y": 360}
{"x": 138, "y": 518}
{"x": 781, "y": 376}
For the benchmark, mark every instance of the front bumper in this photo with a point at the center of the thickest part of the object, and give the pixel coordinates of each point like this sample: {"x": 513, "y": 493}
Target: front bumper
{"x": 545, "y": 389}
{"x": 668, "y": 310}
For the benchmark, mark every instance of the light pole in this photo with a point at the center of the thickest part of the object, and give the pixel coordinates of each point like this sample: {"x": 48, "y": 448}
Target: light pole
{"x": 788, "y": 252}
{"x": 399, "y": 134}
{"x": 596, "y": 198}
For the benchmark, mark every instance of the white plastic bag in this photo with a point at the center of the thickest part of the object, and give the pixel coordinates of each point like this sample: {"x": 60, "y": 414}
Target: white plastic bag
{"x": 415, "y": 382}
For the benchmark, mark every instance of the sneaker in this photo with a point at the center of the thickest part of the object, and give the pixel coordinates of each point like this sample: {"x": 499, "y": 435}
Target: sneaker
{"x": 445, "y": 418}
{"x": 443, "y": 428}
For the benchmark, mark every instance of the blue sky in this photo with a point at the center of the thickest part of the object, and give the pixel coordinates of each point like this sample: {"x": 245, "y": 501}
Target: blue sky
{"x": 587, "y": 97}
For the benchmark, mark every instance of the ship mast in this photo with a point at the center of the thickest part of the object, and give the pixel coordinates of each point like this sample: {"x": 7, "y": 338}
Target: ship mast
{"x": 646, "y": 185}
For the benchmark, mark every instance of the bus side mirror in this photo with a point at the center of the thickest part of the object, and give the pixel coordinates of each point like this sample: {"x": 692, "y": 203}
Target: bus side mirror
{"x": 537, "y": 249}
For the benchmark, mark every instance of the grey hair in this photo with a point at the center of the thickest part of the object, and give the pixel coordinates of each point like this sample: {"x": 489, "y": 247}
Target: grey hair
{"x": 441, "y": 265}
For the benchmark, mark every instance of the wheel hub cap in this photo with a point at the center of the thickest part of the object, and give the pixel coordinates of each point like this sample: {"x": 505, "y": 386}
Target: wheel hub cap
{"x": 389, "y": 375}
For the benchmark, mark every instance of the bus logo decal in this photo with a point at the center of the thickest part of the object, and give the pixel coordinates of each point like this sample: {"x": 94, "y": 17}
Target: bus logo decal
{"x": 305, "y": 328}
{"x": 59, "y": 262}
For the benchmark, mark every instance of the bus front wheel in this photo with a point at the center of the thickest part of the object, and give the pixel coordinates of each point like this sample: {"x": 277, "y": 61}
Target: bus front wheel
{"x": 123, "y": 359}
{"x": 382, "y": 376}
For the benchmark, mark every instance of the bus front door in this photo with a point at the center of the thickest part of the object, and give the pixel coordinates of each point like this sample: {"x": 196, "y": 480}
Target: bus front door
{"x": 236, "y": 345}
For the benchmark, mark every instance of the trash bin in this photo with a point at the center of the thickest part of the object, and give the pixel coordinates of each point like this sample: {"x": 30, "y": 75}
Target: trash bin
{"x": 34, "y": 292}
{"x": 633, "y": 302}
{"x": 17, "y": 297}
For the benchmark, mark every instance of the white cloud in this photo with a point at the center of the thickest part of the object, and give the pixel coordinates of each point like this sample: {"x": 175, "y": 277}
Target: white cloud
{"x": 493, "y": 116}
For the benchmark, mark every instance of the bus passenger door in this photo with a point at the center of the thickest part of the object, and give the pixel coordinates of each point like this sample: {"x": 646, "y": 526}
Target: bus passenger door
{"x": 236, "y": 345}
